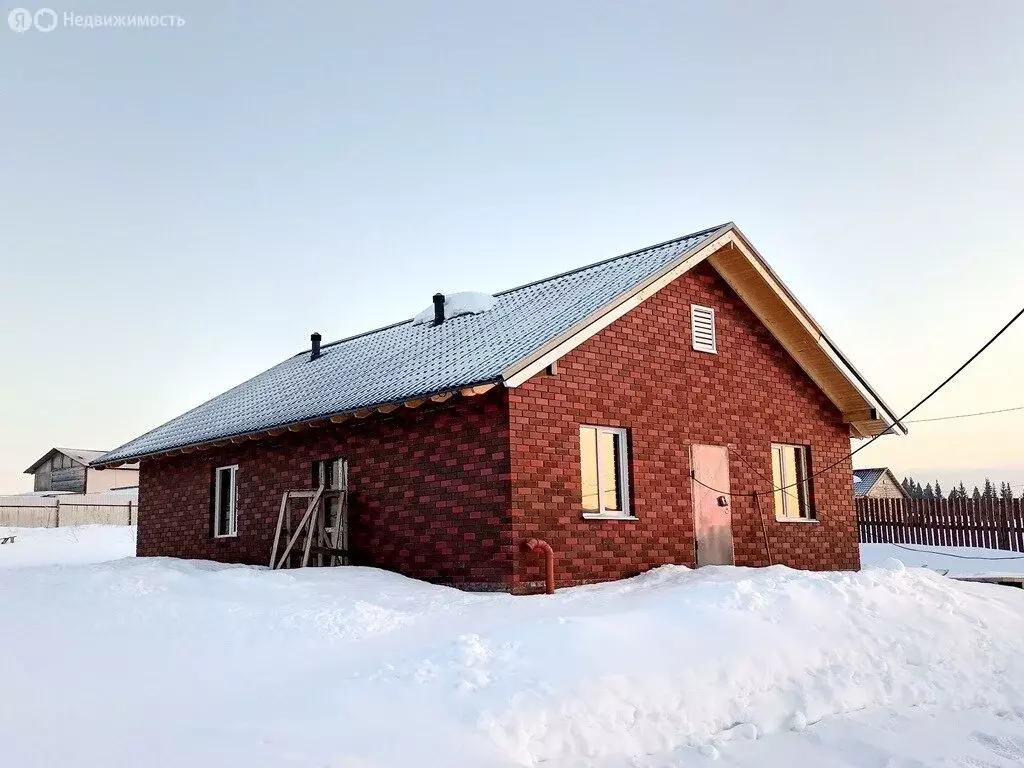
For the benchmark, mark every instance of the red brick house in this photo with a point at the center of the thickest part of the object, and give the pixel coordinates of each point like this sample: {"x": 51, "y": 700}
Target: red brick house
{"x": 625, "y": 413}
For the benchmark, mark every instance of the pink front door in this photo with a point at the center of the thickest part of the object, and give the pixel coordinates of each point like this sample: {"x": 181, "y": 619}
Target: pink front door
{"x": 712, "y": 504}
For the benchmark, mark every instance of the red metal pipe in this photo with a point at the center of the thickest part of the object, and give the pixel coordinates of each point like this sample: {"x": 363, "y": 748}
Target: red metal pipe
{"x": 549, "y": 562}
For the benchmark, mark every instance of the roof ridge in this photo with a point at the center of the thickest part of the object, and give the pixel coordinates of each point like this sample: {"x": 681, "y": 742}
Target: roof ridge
{"x": 585, "y": 267}
{"x": 613, "y": 258}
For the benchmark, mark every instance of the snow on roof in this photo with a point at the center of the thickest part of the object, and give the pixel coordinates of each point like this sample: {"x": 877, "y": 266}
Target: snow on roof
{"x": 458, "y": 304}
{"x": 408, "y": 360}
{"x": 82, "y": 456}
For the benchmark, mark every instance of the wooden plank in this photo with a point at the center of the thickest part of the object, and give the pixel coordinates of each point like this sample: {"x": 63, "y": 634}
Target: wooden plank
{"x": 906, "y": 530}
{"x": 1002, "y": 525}
{"x": 924, "y": 516}
{"x": 920, "y": 513}
{"x": 967, "y": 525}
{"x": 298, "y": 532}
{"x": 1016, "y": 537}
{"x": 314, "y": 522}
{"x": 872, "y": 525}
{"x": 950, "y": 533}
{"x": 280, "y": 525}
{"x": 985, "y": 523}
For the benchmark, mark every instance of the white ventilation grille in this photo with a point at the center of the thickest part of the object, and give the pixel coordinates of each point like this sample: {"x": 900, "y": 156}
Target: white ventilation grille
{"x": 702, "y": 327}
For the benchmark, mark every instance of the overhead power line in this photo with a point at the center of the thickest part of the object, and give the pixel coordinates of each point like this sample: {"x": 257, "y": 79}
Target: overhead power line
{"x": 965, "y": 415}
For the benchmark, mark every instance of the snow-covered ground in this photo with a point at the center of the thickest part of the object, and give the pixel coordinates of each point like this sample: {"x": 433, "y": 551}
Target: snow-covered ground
{"x": 169, "y": 663}
{"x": 956, "y": 561}
{"x": 74, "y": 545}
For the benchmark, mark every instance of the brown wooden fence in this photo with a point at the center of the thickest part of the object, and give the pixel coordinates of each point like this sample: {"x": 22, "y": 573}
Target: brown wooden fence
{"x": 992, "y": 523}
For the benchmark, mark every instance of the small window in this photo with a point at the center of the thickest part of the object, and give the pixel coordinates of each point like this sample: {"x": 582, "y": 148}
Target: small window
{"x": 702, "y": 329}
{"x": 604, "y": 473}
{"x": 225, "y": 501}
{"x": 791, "y": 478}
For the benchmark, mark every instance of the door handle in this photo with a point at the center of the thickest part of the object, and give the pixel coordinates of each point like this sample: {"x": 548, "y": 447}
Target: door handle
{"x": 723, "y": 501}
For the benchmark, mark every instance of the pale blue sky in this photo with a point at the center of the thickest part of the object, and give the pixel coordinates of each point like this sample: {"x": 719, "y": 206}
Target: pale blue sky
{"x": 181, "y": 207}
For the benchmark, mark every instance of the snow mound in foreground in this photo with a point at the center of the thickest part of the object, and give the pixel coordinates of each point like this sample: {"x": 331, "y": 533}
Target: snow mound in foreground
{"x": 169, "y": 663}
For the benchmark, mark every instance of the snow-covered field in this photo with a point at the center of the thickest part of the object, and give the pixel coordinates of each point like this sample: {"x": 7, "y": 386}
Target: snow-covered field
{"x": 170, "y": 663}
{"x": 956, "y": 561}
{"x": 75, "y": 545}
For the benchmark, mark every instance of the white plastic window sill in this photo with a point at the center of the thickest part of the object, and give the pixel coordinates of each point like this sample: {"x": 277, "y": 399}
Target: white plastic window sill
{"x": 226, "y": 535}
{"x": 795, "y": 519}
{"x": 607, "y": 516}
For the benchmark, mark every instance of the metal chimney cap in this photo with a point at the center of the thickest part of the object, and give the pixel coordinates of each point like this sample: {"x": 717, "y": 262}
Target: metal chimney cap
{"x": 438, "y": 308}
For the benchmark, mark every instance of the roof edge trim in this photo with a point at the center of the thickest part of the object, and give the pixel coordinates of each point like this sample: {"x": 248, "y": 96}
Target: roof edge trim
{"x": 103, "y": 463}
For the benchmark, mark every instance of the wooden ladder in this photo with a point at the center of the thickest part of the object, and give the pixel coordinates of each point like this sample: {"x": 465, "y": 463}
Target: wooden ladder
{"x": 328, "y": 545}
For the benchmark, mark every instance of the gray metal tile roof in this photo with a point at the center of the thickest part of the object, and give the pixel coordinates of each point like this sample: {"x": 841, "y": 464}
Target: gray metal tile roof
{"x": 404, "y": 361}
{"x": 867, "y": 477}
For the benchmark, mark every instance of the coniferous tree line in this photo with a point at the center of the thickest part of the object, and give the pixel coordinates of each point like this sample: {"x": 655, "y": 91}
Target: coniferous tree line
{"x": 988, "y": 492}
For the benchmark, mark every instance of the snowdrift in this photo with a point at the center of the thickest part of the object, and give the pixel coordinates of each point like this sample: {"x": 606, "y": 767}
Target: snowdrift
{"x": 168, "y": 663}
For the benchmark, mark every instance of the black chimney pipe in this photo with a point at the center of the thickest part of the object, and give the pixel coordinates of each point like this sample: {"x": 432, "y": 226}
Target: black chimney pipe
{"x": 438, "y": 308}
{"x": 314, "y": 353}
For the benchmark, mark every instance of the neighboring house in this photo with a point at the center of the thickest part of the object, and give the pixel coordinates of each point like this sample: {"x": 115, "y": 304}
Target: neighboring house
{"x": 68, "y": 470}
{"x": 877, "y": 483}
{"x": 624, "y": 412}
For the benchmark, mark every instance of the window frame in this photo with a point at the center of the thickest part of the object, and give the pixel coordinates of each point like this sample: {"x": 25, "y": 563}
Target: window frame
{"x": 233, "y": 515}
{"x": 804, "y": 496}
{"x": 622, "y": 443}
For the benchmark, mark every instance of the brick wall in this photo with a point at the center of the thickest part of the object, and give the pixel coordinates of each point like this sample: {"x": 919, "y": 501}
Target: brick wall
{"x": 430, "y": 493}
{"x": 641, "y": 373}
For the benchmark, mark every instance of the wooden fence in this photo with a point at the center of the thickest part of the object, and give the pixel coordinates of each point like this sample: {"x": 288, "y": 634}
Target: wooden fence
{"x": 991, "y": 523}
{"x": 65, "y": 510}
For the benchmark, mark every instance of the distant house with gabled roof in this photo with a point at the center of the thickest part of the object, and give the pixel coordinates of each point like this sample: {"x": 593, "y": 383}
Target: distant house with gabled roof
{"x": 623, "y": 413}
{"x": 68, "y": 470}
{"x": 877, "y": 483}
